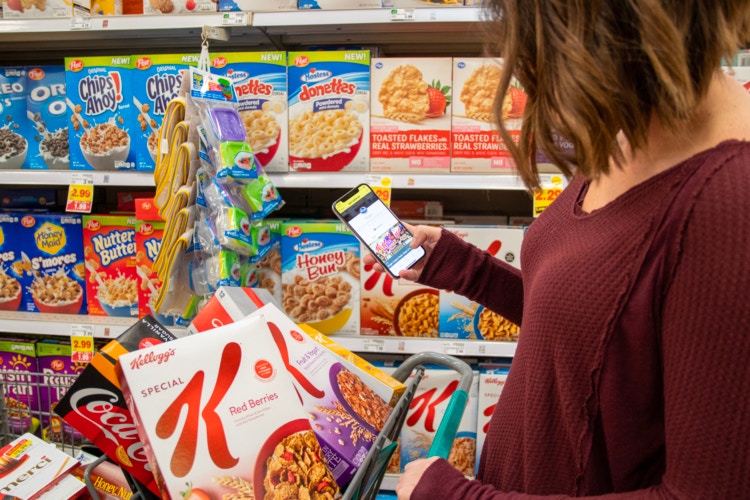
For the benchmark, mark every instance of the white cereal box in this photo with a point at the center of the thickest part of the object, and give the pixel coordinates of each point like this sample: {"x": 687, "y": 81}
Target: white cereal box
{"x": 491, "y": 382}
{"x": 397, "y": 307}
{"x": 320, "y": 269}
{"x": 47, "y": 112}
{"x": 740, "y": 73}
{"x": 100, "y": 111}
{"x": 218, "y": 415}
{"x": 156, "y": 7}
{"x": 461, "y": 318}
{"x": 257, "y": 5}
{"x": 22, "y": 9}
{"x": 269, "y": 266}
{"x": 14, "y": 132}
{"x": 411, "y": 115}
{"x": 329, "y": 111}
{"x": 261, "y": 85}
{"x": 338, "y": 4}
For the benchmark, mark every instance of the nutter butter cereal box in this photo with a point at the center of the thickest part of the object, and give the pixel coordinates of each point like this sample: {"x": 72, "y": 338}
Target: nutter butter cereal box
{"x": 218, "y": 412}
{"x": 51, "y": 255}
{"x": 14, "y": 144}
{"x": 492, "y": 379}
{"x": 411, "y": 114}
{"x": 17, "y": 374}
{"x": 329, "y": 111}
{"x": 47, "y": 112}
{"x": 100, "y": 110}
{"x": 94, "y": 404}
{"x": 260, "y": 82}
{"x": 12, "y": 291}
{"x": 111, "y": 277}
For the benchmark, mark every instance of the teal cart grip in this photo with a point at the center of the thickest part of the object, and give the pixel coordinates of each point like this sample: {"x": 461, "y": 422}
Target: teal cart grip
{"x": 446, "y": 433}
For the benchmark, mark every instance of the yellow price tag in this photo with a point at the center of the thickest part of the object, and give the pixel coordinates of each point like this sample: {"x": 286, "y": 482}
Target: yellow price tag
{"x": 547, "y": 194}
{"x": 81, "y": 343}
{"x": 80, "y": 196}
{"x": 384, "y": 193}
{"x": 381, "y": 186}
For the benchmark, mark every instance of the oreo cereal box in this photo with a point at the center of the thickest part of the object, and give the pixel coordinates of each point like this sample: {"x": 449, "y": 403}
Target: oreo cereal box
{"x": 47, "y": 112}
{"x": 14, "y": 146}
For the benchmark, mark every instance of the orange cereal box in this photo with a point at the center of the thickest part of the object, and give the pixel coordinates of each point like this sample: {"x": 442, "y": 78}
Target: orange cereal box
{"x": 109, "y": 255}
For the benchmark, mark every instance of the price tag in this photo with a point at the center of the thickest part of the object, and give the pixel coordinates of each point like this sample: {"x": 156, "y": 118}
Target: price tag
{"x": 82, "y": 343}
{"x": 454, "y": 348}
{"x": 381, "y": 186}
{"x": 373, "y": 345}
{"x": 551, "y": 189}
{"x": 80, "y": 23}
{"x": 80, "y": 193}
{"x": 234, "y": 19}
{"x": 402, "y": 14}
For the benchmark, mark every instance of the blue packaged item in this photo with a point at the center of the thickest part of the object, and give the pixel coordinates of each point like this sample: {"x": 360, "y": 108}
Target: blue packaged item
{"x": 47, "y": 114}
{"x": 14, "y": 147}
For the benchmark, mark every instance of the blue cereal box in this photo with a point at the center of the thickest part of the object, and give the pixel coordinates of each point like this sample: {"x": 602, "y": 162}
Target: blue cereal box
{"x": 257, "y": 5}
{"x": 52, "y": 259}
{"x": 47, "y": 112}
{"x": 12, "y": 293}
{"x": 329, "y": 111}
{"x": 260, "y": 82}
{"x": 14, "y": 146}
{"x": 100, "y": 111}
{"x": 156, "y": 81}
{"x": 320, "y": 275}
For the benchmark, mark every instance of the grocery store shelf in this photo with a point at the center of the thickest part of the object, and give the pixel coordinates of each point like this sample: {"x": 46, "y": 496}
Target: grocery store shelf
{"x": 403, "y": 345}
{"x": 64, "y": 177}
{"x": 61, "y": 324}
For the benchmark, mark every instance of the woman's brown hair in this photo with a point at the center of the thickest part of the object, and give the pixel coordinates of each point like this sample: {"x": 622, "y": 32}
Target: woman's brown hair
{"x": 594, "y": 68}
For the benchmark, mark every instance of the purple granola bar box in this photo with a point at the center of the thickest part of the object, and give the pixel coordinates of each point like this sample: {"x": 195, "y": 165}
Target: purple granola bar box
{"x": 17, "y": 375}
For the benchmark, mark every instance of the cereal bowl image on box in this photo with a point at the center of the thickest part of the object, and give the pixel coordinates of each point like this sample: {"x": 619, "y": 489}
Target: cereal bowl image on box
{"x": 54, "y": 150}
{"x": 489, "y": 325}
{"x": 14, "y": 149}
{"x": 105, "y": 145}
{"x": 416, "y": 314}
{"x": 11, "y": 292}
{"x": 57, "y": 293}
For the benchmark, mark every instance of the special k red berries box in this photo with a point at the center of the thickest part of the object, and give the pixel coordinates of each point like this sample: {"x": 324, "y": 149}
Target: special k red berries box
{"x": 491, "y": 382}
{"x": 109, "y": 255}
{"x": 411, "y": 114}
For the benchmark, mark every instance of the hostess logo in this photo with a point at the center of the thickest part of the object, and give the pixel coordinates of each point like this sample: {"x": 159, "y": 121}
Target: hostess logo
{"x": 308, "y": 245}
{"x": 315, "y": 76}
{"x": 238, "y": 76}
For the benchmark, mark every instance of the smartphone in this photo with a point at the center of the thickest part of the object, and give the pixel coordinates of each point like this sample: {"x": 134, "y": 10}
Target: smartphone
{"x": 373, "y": 223}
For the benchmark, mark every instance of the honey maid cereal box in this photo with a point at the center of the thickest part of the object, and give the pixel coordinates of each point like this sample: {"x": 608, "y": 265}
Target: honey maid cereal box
{"x": 13, "y": 295}
{"x": 338, "y": 4}
{"x": 100, "y": 112}
{"x": 461, "y": 318}
{"x": 218, "y": 411}
{"x": 47, "y": 113}
{"x": 329, "y": 111}
{"x": 397, "y": 307}
{"x": 491, "y": 382}
{"x": 152, "y": 7}
{"x": 18, "y": 363}
{"x": 320, "y": 275}
{"x": 156, "y": 80}
{"x": 426, "y": 411}
{"x": 261, "y": 86}
{"x": 51, "y": 247}
{"x": 111, "y": 278}
{"x": 14, "y": 142}
{"x": 411, "y": 114}
{"x": 257, "y": 5}
{"x": 24, "y": 9}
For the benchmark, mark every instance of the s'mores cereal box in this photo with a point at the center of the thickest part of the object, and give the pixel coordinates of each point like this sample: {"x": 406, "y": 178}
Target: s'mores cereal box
{"x": 12, "y": 267}
{"x": 329, "y": 111}
{"x": 261, "y": 85}
{"x": 14, "y": 142}
{"x": 22, "y": 9}
{"x": 100, "y": 110}
{"x": 47, "y": 112}
{"x": 411, "y": 115}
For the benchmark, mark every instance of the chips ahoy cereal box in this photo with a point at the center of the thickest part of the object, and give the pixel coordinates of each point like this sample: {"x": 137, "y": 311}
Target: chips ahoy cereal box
{"x": 100, "y": 110}
{"x": 12, "y": 292}
{"x": 109, "y": 251}
{"x": 52, "y": 259}
{"x": 156, "y": 80}
{"x": 260, "y": 82}
{"x": 47, "y": 112}
{"x": 14, "y": 145}
{"x": 329, "y": 111}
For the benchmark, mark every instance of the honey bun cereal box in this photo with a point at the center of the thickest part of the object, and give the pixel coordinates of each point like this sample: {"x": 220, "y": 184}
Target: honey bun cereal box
{"x": 19, "y": 382}
{"x": 218, "y": 415}
{"x": 411, "y": 115}
{"x": 157, "y": 7}
{"x": 492, "y": 379}
{"x": 25, "y": 9}
{"x": 13, "y": 295}
{"x": 14, "y": 134}
{"x": 397, "y": 307}
{"x": 111, "y": 275}
{"x": 94, "y": 404}
{"x": 461, "y": 318}
{"x": 156, "y": 80}
{"x": 338, "y": 4}
{"x": 320, "y": 275}
{"x": 51, "y": 257}
{"x": 257, "y": 5}
{"x": 100, "y": 110}
{"x": 329, "y": 111}
{"x": 47, "y": 113}
{"x": 260, "y": 83}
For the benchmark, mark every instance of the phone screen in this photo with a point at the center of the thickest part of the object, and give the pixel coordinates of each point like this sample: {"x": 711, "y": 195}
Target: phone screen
{"x": 378, "y": 228}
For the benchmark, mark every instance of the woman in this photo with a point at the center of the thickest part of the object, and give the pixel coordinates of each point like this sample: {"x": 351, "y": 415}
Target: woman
{"x": 631, "y": 376}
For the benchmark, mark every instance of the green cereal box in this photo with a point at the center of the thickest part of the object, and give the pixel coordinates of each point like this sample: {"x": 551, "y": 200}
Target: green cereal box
{"x": 111, "y": 278}
{"x": 320, "y": 275}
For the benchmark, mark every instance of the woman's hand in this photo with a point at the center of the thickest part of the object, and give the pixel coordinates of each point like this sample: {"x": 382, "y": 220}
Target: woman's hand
{"x": 427, "y": 236}
{"x": 411, "y": 476}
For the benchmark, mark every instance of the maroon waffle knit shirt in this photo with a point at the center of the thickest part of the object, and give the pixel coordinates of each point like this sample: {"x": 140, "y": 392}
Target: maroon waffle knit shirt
{"x": 632, "y": 372}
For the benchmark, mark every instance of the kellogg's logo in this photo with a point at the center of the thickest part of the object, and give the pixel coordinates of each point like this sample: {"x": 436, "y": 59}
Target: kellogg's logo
{"x": 146, "y": 229}
{"x": 28, "y": 221}
{"x": 36, "y": 74}
{"x": 219, "y": 62}
{"x": 93, "y": 225}
{"x": 301, "y": 61}
{"x": 50, "y": 238}
{"x": 143, "y": 63}
{"x": 75, "y": 65}
{"x": 294, "y": 231}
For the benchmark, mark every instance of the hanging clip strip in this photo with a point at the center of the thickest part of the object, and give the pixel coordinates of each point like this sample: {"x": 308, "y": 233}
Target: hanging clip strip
{"x": 175, "y": 114}
{"x": 163, "y": 192}
{"x": 176, "y": 178}
{"x": 173, "y": 228}
{"x": 174, "y": 294}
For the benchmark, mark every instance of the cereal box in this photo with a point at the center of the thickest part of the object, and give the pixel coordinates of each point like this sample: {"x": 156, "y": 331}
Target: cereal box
{"x": 111, "y": 278}
{"x": 47, "y": 112}
{"x": 491, "y": 382}
{"x": 329, "y": 111}
{"x": 245, "y": 428}
{"x": 100, "y": 111}
{"x": 17, "y": 364}
{"x": 411, "y": 114}
{"x": 156, "y": 80}
{"x": 52, "y": 258}
{"x": 152, "y": 7}
{"x": 12, "y": 293}
{"x": 261, "y": 85}
{"x": 338, "y": 4}
{"x": 320, "y": 275}
{"x": 409, "y": 4}
{"x": 14, "y": 145}
{"x": 227, "y": 305}
{"x": 22, "y": 9}
{"x": 430, "y": 402}
{"x": 257, "y": 5}
{"x": 269, "y": 266}
{"x": 461, "y": 318}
